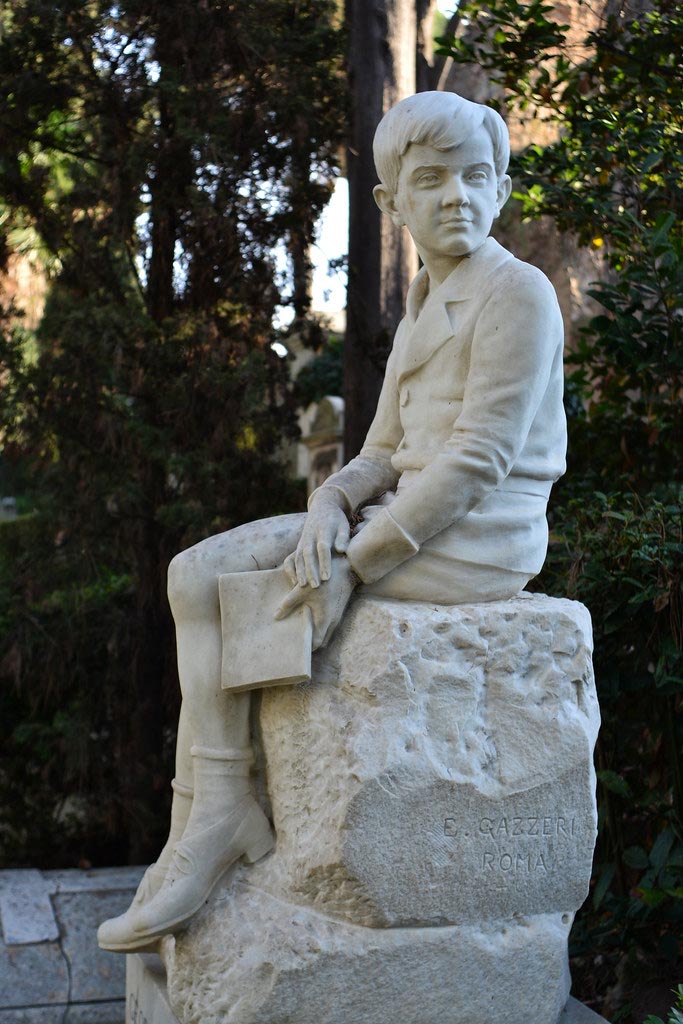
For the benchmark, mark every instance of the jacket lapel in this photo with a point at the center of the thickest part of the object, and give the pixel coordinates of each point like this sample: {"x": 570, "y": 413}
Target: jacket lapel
{"x": 428, "y": 324}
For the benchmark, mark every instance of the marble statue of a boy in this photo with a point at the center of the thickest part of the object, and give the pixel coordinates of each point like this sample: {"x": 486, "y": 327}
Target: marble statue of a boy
{"x": 453, "y": 482}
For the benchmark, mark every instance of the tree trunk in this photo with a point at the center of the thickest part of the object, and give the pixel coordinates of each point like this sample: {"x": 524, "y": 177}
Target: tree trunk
{"x": 173, "y": 173}
{"x": 382, "y": 259}
{"x": 427, "y": 69}
{"x": 160, "y": 291}
{"x": 302, "y": 230}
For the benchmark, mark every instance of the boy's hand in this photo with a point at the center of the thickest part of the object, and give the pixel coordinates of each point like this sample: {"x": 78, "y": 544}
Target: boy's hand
{"x": 327, "y": 602}
{"x": 326, "y": 531}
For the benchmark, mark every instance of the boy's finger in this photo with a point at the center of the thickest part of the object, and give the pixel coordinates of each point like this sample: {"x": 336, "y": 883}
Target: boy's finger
{"x": 311, "y": 565}
{"x": 289, "y": 565}
{"x": 325, "y": 560}
{"x": 292, "y": 601}
{"x": 341, "y": 541}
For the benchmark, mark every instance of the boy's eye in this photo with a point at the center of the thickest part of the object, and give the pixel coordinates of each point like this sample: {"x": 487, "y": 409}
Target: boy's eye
{"x": 478, "y": 176}
{"x": 428, "y": 178}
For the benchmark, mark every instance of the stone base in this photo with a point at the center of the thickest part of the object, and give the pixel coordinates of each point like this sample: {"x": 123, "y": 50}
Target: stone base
{"x": 438, "y": 768}
{"x": 254, "y": 959}
{"x": 146, "y": 994}
{"x": 432, "y": 791}
{"x": 147, "y": 1000}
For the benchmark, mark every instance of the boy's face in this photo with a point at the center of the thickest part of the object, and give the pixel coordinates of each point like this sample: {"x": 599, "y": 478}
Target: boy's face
{"x": 448, "y": 199}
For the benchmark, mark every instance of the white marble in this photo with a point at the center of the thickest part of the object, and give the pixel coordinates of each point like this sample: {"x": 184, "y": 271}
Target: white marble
{"x": 260, "y": 961}
{"x": 437, "y": 770}
{"x": 146, "y": 992}
{"x": 148, "y": 999}
{"x": 433, "y": 797}
{"x": 432, "y": 785}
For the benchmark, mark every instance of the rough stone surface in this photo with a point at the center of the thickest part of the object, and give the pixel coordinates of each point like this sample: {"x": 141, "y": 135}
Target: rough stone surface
{"x": 438, "y": 769}
{"x": 31, "y": 975}
{"x": 256, "y": 960}
{"x": 147, "y": 999}
{"x": 433, "y": 795}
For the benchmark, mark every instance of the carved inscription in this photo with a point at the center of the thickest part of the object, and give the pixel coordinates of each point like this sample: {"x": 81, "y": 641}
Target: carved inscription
{"x": 514, "y": 862}
{"x": 454, "y": 854}
{"x": 514, "y": 858}
{"x": 498, "y": 828}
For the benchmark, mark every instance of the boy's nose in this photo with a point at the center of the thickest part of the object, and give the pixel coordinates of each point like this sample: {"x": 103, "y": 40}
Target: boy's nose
{"x": 455, "y": 192}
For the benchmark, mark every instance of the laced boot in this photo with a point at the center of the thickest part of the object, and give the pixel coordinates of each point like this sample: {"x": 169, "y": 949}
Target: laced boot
{"x": 117, "y": 933}
{"x": 225, "y": 824}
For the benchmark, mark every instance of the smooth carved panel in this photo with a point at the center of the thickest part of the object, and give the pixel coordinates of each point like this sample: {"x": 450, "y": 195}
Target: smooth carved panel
{"x": 451, "y": 854}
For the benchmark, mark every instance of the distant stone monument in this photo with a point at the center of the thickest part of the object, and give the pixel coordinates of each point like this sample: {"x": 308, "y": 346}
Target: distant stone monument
{"x": 429, "y": 771}
{"x": 324, "y": 441}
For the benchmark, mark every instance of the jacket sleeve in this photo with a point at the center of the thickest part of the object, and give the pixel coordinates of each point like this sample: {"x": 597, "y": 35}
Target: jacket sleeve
{"x": 371, "y": 472}
{"x": 516, "y": 342}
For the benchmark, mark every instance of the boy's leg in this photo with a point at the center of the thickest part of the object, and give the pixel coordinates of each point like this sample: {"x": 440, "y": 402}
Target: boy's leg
{"x": 214, "y": 752}
{"x": 217, "y": 718}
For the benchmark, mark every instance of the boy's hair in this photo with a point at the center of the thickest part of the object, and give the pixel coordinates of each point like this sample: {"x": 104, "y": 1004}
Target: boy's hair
{"x": 439, "y": 119}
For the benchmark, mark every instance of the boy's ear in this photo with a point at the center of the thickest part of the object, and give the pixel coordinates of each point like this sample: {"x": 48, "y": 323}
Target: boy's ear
{"x": 386, "y": 200}
{"x": 504, "y": 190}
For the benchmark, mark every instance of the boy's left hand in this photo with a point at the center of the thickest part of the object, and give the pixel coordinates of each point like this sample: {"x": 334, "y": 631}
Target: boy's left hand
{"x": 327, "y": 602}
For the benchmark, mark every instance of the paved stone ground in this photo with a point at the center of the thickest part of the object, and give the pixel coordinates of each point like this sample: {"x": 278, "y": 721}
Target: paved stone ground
{"x": 51, "y": 968}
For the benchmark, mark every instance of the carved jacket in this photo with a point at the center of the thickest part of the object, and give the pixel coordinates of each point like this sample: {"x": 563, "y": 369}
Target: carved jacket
{"x": 470, "y": 430}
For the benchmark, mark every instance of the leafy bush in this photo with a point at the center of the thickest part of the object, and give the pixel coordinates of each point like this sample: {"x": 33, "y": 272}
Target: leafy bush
{"x": 676, "y": 1013}
{"x": 154, "y": 156}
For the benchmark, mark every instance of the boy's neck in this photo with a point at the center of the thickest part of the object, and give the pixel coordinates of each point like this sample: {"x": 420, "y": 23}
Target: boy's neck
{"x": 439, "y": 268}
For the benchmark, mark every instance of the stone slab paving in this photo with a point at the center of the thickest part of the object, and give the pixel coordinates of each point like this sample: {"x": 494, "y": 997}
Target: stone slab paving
{"x": 25, "y": 908}
{"x": 91, "y": 1013}
{"x": 51, "y": 968}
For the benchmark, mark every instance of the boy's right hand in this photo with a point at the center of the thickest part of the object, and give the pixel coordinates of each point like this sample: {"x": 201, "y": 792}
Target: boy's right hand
{"x": 326, "y": 531}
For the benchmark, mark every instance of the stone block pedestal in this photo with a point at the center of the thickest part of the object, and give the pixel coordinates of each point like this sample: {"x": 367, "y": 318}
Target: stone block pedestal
{"x": 147, "y": 998}
{"x": 432, "y": 790}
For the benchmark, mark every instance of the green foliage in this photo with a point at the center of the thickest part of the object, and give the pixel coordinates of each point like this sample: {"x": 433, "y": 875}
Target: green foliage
{"x": 323, "y": 375}
{"x": 63, "y": 738}
{"x": 621, "y": 555}
{"x": 613, "y": 176}
{"x": 675, "y": 1014}
{"x": 152, "y": 156}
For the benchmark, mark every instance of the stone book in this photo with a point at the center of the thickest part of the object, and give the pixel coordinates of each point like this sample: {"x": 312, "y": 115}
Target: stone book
{"x": 279, "y": 650}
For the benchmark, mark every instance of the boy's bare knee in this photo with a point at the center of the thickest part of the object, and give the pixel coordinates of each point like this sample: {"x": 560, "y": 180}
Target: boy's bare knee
{"x": 177, "y": 579}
